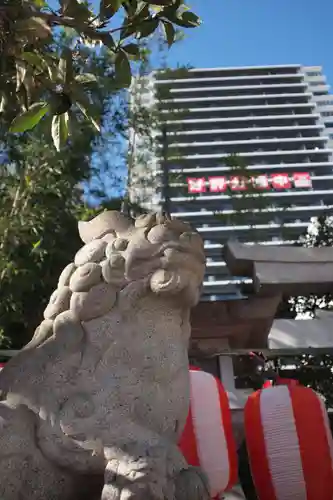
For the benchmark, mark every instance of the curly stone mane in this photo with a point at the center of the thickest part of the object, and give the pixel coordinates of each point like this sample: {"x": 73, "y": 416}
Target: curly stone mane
{"x": 153, "y": 252}
{"x": 102, "y": 389}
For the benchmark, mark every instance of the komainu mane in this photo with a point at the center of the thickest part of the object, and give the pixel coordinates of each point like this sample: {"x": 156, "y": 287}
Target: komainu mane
{"x": 92, "y": 408}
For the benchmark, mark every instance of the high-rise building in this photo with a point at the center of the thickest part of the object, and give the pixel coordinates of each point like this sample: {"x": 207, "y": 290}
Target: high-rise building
{"x": 278, "y": 120}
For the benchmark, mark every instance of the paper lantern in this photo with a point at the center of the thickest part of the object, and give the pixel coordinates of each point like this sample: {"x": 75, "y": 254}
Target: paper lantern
{"x": 207, "y": 440}
{"x": 289, "y": 444}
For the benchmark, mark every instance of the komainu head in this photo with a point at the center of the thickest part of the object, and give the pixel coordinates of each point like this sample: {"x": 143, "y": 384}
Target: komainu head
{"x": 166, "y": 256}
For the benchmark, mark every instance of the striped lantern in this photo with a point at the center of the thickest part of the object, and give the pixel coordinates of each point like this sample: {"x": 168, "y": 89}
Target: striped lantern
{"x": 207, "y": 440}
{"x": 289, "y": 444}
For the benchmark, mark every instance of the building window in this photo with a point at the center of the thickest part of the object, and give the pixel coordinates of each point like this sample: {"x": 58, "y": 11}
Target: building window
{"x": 327, "y": 113}
{"x": 325, "y": 103}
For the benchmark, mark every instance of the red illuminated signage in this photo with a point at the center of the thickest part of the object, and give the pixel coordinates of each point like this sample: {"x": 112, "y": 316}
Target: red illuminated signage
{"x": 217, "y": 184}
{"x": 300, "y": 180}
{"x": 280, "y": 181}
{"x": 196, "y": 185}
{"x": 261, "y": 182}
{"x": 237, "y": 183}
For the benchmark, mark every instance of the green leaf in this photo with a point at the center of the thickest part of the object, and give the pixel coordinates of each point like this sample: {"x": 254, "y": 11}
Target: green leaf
{"x": 21, "y": 71}
{"x": 187, "y": 20}
{"x": 33, "y": 59}
{"x": 123, "y": 69}
{"x": 30, "y": 118}
{"x": 3, "y": 103}
{"x": 40, "y": 3}
{"x": 132, "y": 49}
{"x": 59, "y": 130}
{"x": 86, "y": 108}
{"x": 65, "y": 67}
{"x": 78, "y": 10}
{"x": 86, "y": 78}
{"x": 146, "y": 28}
{"x": 37, "y": 244}
{"x": 33, "y": 27}
{"x": 64, "y": 4}
{"x": 107, "y": 40}
{"x": 169, "y": 32}
{"x": 108, "y": 8}
{"x": 130, "y": 8}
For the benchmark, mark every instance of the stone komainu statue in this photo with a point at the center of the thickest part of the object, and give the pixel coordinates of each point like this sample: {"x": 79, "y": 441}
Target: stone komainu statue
{"x": 93, "y": 406}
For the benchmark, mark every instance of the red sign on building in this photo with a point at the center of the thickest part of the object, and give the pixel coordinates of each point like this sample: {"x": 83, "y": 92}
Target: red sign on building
{"x": 261, "y": 182}
{"x": 302, "y": 180}
{"x": 195, "y": 185}
{"x": 280, "y": 181}
{"x": 217, "y": 184}
{"x": 237, "y": 183}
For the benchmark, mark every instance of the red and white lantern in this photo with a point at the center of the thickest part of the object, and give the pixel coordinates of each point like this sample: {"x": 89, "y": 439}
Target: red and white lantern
{"x": 289, "y": 444}
{"x": 207, "y": 440}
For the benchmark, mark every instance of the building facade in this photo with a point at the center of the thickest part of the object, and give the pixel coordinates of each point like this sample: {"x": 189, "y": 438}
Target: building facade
{"x": 277, "y": 124}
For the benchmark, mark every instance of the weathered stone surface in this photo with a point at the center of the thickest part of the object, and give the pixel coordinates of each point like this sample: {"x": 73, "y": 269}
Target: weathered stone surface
{"x": 65, "y": 276}
{"x": 94, "y": 303}
{"x": 59, "y": 302}
{"x": 106, "y": 222}
{"x": 91, "y": 252}
{"x": 85, "y": 277}
{"x": 146, "y": 221}
{"x": 94, "y": 406}
{"x": 113, "y": 270}
{"x": 42, "y": 333}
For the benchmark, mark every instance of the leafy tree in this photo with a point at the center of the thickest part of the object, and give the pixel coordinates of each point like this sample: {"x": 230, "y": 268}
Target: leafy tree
{"x": 41, "y": 197}
{"x": 38, "y": 80}
{"x": 44, "y": 192}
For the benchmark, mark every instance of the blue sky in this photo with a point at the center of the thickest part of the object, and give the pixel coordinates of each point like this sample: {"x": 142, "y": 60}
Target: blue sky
{"x": 259, "y": 32}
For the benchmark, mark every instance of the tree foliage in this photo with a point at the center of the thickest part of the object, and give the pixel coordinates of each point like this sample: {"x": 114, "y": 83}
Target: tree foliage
{"x": 41, "y": 198}
{"x": 39, "y": 77}
{"x": 43, "y": 192}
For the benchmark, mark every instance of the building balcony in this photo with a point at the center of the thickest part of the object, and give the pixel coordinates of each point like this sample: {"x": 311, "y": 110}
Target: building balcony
{"x": 281, "y": 154}
{"x": 209, "y": 78}
{"x": 235, "y": 101}
{"x": 231, "y": 281}
{"x": 203, "y": 124}
{"x": 214, "y": 170}
{"x": 233, "y": 112}
{"x": 237, "y": 90}
{"x": 251, "y": 145}
{"x": 248, "y": 227}
{"x": 219, "y": 246}
{"x": 268, "y": 194}
{"x": 227, "y": 134}
{"x": 196, "y": 216}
